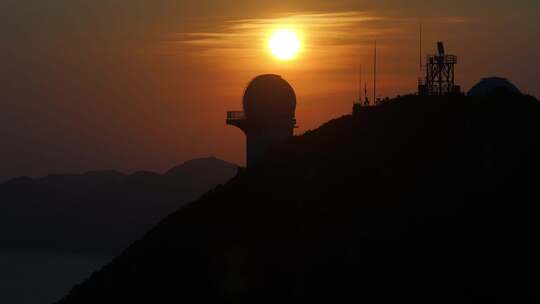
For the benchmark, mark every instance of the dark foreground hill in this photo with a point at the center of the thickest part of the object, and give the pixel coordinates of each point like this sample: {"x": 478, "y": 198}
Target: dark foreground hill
{"x": 422, "y": 200}
{"x": 98, "y": 212}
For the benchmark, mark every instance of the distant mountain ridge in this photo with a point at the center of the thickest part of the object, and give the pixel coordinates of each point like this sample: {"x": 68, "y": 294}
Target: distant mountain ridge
{"x": 99, "y": 211}
{"x": 191, "y": 168}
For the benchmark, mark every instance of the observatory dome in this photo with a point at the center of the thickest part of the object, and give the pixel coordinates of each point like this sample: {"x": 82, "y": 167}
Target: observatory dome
{"x": 269, "y": 98}
{"x": 493, "y": 85}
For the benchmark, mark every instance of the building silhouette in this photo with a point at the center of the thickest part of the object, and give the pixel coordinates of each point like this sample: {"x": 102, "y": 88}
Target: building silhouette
{"x": 492, "y": 86}
{"x": 268, "y": 117}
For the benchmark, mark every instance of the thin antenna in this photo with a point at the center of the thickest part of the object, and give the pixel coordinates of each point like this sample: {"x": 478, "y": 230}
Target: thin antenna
{"x": 375, "y": 75}
{"x": 420, "y": 49}
{"x": 360, "y": 84}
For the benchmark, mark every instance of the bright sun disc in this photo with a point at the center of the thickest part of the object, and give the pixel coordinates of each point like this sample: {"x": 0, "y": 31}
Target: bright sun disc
{"x": 284, "y": 44}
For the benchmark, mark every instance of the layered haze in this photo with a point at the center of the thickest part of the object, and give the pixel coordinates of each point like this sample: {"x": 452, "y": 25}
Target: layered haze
{"x": 89, "y": 85}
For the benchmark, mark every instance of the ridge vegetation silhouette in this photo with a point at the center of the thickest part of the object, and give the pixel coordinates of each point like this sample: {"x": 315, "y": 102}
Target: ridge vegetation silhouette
{"x": 430, "y": 200}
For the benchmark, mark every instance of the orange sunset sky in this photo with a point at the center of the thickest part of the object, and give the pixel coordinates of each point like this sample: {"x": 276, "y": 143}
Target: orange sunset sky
{"x": 144, "y": 85}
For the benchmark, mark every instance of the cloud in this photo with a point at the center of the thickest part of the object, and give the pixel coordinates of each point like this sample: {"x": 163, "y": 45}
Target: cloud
{"x": 316, "y": 29}
{"x": 453, "y": 20}
{"x": 330, "y": 40}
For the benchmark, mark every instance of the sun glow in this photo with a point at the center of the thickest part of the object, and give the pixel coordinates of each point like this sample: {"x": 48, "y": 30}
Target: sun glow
{"x": 284, "y": 44}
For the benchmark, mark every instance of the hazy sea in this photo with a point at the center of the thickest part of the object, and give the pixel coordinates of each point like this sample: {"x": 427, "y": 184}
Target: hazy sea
{"x": 37, "y": 278}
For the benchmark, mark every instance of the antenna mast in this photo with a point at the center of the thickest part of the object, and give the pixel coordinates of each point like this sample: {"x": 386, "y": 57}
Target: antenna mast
{"x": 420, "y": 49}
{"x": 360, "y": 84}
{"x": 375, "y": 75}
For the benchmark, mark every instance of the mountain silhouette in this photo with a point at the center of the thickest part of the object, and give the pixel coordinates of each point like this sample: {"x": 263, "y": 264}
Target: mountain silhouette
{"x": 430, "y": 200}
{"x": 99, "y": 211}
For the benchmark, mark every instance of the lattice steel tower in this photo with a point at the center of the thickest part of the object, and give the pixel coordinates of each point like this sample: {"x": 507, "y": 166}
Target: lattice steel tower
{"x": 439, "y": 74}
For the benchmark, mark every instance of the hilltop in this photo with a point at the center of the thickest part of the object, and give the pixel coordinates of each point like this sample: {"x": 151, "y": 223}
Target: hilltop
{"x": 422, "y": 199}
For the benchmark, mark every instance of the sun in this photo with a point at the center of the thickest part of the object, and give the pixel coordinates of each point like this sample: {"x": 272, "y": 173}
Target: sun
{"x": 284, "y": 44}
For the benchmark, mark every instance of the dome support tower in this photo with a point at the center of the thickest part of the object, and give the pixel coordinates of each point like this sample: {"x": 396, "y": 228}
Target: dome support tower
{"x": 269, "y": 115}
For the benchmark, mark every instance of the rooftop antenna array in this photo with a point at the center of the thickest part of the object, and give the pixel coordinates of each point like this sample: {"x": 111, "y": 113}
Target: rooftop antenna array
{"x": 361, "y": 102}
